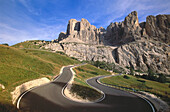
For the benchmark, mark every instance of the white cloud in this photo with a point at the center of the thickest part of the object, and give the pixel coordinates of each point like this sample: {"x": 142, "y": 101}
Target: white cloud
{"x": 115, "y": 11}
{"x": 29, "y": 7}
{"x": 18, "y": 26}
{"x": 12, "y": 35}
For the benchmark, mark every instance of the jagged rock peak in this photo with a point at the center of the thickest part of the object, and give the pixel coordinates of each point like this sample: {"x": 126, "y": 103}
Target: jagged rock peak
{"x": 132, "y": 19}
{"x": 125, "y": 31}
{"x": 83, "y": 31}
{"x": 62, "y": 36}
{"x": 158, "y": 28}
{"x": 73, "y": 25}
{"x": 155, "y": 28}
{"x": 102, "y": 29}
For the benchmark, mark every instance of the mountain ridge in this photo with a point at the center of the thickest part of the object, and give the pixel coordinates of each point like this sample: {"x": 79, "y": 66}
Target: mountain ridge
{"x": 123, "y": 32}
{"x": 141, "y": 46}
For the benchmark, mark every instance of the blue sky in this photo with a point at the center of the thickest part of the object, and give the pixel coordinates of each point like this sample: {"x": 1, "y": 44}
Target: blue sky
{"x": 22, "y": 20}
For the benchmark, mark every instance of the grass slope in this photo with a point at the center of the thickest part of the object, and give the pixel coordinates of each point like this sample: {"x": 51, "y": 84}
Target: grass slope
{"x": 32, "y": 44}
{"x": 18, "y": 66}
{"x": 160, "y": 89}
{"x": 80, "y": 86}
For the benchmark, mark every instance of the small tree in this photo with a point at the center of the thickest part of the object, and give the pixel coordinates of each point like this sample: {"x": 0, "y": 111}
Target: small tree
{"x": 96, "y": 63}
{"x": 5, "y": 44}
{"x": 126, "y": 77}
{"x": 151, "y": 75}
{"x": 131, "y": 71}
{"x": 162, "y": 78}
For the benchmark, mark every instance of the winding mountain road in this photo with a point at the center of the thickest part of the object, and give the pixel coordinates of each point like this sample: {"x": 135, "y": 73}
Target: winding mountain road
{"x": 49, "y": 98}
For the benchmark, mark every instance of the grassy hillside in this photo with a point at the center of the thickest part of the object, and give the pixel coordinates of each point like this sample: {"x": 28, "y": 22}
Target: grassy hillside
{"x": 18, "y": 66}
{"x": 32, "y": 44}
{"x": 160, "y": 89}
{"x": 80, "y": 86}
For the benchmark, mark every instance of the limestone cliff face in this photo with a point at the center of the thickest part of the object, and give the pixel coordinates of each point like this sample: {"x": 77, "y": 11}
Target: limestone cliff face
{"x": 158, "y": 28}
{"x": 84, "y": 51}
{"x": 124, "y": 32}
{"x": 83, "y": 31}
{"x": 142, "y": 55}
{"x": 155, "y": 28}
{"x": 138, "y": 45}
{"x": 62, "y": 36}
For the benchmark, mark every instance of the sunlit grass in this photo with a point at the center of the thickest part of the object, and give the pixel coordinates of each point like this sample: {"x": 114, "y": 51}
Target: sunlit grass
{"x": 18, "y": 66}
{"x": 157, "y": 88}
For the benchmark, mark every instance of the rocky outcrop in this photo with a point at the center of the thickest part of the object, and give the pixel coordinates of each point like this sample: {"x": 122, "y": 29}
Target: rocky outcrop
{"x": 124, "y": 32}
{"x": 143, "y": 55}
{"x": 62, "y": 36}
{"x": 158, "y": 28}
{"x": 54, "y": 47}
{"x": 90, "y": 53}
{"x": 84, "y": 51}
{"x": 2, "y": 86}
{"x": 83, "y": 31}
{"x": 140, "y": 55}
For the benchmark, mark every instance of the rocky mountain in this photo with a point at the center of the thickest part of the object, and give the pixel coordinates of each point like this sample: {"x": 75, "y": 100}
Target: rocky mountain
{"x": 124, "y": 32}
{"x": 155, "y": 28}
{"x": 158, "y": 28}
{"x": 83, "y": 31}
{"x": 127, "y": 43}
{"x": 142, "y": 55}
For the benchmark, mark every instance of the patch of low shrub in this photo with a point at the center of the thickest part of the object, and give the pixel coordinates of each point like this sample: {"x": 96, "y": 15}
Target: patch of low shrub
{"x": 126, "y": 77}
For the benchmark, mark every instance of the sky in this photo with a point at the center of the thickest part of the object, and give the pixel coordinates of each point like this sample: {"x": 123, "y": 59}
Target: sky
{"x": 22, "y": 20}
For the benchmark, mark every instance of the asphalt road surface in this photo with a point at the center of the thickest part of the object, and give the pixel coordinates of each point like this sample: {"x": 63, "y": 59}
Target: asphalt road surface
{"x": 49, "y": 98}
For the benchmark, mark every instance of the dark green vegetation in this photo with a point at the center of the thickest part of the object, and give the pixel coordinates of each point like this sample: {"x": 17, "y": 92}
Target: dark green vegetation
{"x": 139, "y": 84}
{"x": 18, "y": 66}
{"x": 163, "y": 78}
{"x": 5, "y": 44}
{"x": 80, "y": 86}
{"x": 155, "y": 77}
{"x": 107, "y": 66}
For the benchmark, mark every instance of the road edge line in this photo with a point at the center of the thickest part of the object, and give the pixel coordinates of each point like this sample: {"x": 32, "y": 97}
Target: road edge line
{"x": 73, "y": 73}
{"x": 151, "y": 105}
{"x": 20, "y": 97}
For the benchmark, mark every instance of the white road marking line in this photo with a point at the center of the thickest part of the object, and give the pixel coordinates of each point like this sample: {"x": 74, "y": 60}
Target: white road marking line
{"x": 73, "y": 73}
{"x": 153, "y": 109}
{"x": 19, "y": 99}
